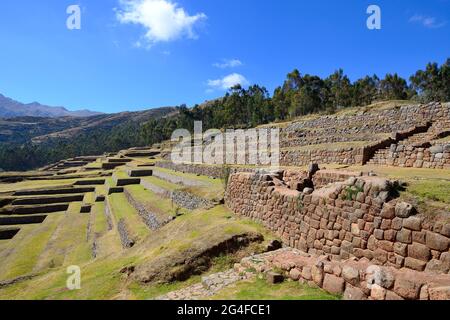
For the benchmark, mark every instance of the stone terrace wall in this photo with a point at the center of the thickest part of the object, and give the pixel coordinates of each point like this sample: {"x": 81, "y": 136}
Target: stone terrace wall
{"x": 356, "y": 280}
{"x": 344, "y": 220}
{"x": 367, "y": 123}
{"x": 436, "y": 157}
{"x": 375, "y": 127}
{"x": 202, "y": 170}
{"x": 210, "y": 171}
{"x": 349, "y": 156}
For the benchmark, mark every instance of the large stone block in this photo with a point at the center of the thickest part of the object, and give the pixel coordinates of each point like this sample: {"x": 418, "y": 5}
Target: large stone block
{"x": 412, "y": 223}
{"x": 351, "y": 275}
{"x": 419, "y": 251}
{"x": 333, "y": 284}
{"x": 392, "y": 296}
{"x": 353, "y": 293}
{"x": 295, "y": 274}
{"x": 404, "y": 236}
{"x": 415, "y": 264}
{"x": 437, "y": 266}
{"x": 439, "y": 293}
{"x": 407, "y": 288}
{"x": 317, "y": 275}
{"x": 377, "y": 292}
{"x": 404, "y": 210}
{"x": 436, "y": 241}
{"x": 388, "y": 211}
{"x": 306, "y": 273}
{"x": 379, "y": 276}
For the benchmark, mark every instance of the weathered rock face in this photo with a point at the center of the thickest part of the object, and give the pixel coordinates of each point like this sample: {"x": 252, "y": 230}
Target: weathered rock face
{"x": 355, "y": 218}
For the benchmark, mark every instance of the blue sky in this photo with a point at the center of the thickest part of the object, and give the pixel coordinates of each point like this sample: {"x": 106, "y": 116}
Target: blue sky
{"x": 138, "y": 54}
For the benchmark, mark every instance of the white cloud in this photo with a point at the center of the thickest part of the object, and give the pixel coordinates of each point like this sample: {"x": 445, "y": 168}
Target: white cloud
{"x": 428, "y": 22}
{"x": 163, "y": 20}
{"x": 228, "y": 82}
{"x": 228, "y": 63}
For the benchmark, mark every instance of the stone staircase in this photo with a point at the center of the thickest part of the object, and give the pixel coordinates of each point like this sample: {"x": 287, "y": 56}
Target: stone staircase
{"x": 421, "y": 140}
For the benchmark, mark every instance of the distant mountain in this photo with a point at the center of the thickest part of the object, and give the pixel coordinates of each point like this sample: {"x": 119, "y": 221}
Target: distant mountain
{"x": 38, "y": 130}
{"x": 10, "y": 108}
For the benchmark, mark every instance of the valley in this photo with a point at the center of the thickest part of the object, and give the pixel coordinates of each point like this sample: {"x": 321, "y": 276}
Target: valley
{"x": 141, "y": 227}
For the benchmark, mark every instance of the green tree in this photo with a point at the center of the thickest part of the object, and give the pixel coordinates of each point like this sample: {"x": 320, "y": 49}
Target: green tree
{"x": 393, "y": 87}
{"x": 433, "y": 83}
{"x": 365, "y": 91}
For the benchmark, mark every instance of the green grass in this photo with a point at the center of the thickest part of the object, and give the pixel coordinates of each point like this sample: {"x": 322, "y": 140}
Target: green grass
{"x": 123, "y": 210}
{"x": 96, "y": 164}
{"x": 89, "y": 198}
{"x": 108, "y": 241}
{"x": 425, "y": 184}
{"x": 109, "y": 182}
{"x": 142, "y": 292}
{"x": 26, "y": 247}
{"x": 120, "y": 175}
{"x": 101, "y": 278}
{"x": 163, "y": 206}
{"x": 406, "y": 174}
{"x": 100, "y": 190}
{"x": 431, "y": 190}
{"x": 100, "y": 223}
{"x": 3, "y": 244}
{"x": 213, "y": 189}
{"x": 191, "y": 176}
{"x": 69, "y": 243}
{"x": 259, "y": 289}
{"x": 37, "y": 184}
{"x": 162, "y": 183}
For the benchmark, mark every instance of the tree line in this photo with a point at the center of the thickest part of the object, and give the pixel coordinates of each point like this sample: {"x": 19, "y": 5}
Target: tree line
{"x": 300, "y": 94}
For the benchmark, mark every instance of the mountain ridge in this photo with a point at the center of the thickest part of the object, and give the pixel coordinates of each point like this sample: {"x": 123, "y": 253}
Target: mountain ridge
{"x": 10, "y": 108}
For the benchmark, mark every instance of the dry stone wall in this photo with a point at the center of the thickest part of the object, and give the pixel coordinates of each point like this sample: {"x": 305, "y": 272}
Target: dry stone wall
{"x": 356, "y": 218}
{"x": 348, "y": 156}
{"x": 355, "y": 280}
{"x": 209, "y": 171}
{"x": 436, "y": 157}
{"x": 190, "y": 201}
{"x": 359, "y": 137}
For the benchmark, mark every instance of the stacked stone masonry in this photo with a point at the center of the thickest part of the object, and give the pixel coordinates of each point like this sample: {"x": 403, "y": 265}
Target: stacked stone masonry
{"x": 355, "y": 218}
{"x": 354, "y": 280}
{"x": 385, "y": 136}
